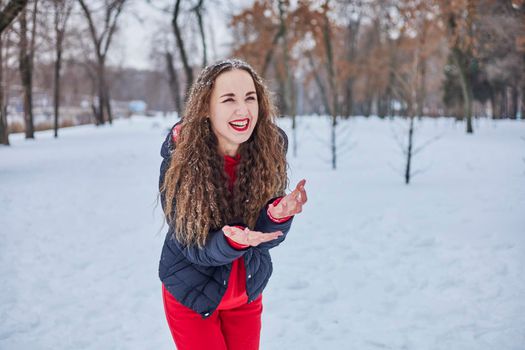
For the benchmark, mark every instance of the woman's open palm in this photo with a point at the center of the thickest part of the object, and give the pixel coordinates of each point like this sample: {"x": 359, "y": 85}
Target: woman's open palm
{"x": 249, "y": 237}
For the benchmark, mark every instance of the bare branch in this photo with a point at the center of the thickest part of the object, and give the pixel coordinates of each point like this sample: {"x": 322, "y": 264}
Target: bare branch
{"x": 428, "y": 142}
{"x": 10, "y": 12}
{"x": 91, "y": 24}
{"x": 113, "y": 25}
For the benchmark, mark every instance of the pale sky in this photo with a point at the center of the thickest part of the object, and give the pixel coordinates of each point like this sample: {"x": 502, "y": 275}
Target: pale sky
{"x": 134, "y": 47}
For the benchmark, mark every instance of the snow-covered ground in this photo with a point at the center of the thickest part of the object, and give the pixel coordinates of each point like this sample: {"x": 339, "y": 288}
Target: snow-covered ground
{"x": 370, "y": 263}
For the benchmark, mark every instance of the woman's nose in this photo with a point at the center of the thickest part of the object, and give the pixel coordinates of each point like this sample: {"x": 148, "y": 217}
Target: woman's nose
{"x": 242, "y": 109}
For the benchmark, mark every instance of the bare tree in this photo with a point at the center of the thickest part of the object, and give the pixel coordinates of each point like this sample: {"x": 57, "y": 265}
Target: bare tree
{"x": 409, "y": 76}
{"x": 7, "y": 14}
{"x": 62, "y": 10}
{"x": 459, "y": 17}
{"x": 10, "y": 11}
{"x": 4, "y": 132}
{"x": 198, "y": 12}
{"x": 327, "y": 38}
{"x": 180, "y": 44}
{"x": 289, "y": 90}
{"x": 179, "y": 53}
{"x": 173, "y": 80}
{"x": 101, "y": 42}
{"x": 26, "y": 61}
{"x": 352, "y": 35}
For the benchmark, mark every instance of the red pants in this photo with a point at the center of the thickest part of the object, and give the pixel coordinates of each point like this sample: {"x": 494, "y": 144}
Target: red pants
{"x": 233, "y": 329}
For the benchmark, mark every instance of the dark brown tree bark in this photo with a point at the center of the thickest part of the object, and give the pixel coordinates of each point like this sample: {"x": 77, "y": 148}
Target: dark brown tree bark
{"x": 7, "y": 15}
{"x": 10, "y": 11}
{"x": 4, "y": 132}
{"x": 26, "y": 71}
{"x": 180, "y": 44}
{"x": 514, "y": 102}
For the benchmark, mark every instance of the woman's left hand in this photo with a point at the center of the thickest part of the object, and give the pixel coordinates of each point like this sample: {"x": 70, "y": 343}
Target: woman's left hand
{"x": 292, "y": 203}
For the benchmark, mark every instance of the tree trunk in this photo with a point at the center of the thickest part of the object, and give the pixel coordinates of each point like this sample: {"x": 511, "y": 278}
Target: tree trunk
{"x": 99, "y": 116}
{"x": 180, "y": 44}
{"x": 26, "y": 77}
{"x": 290, "y": 85}
{"x": 322, "y": 89}
{"x": 173, "y": 83}
{"x": 334, "y": 142}
{"x": 522, "y": 100}
{"x": 523, "y": 80}
{"x": 4, "y": 132}
{"x": 498, "y": 107}
{"x": 422, "y": 90}
{"x": 504, "y": 103}
{"x": 11, "y": 10}
{"x": 409, "y": 149}
{"x": 327, "y": 36}
{"x": 466, "y": 88}
{"x": 62, "y": 12}
{"x": 56, "y": 102}
{"x": 349, "y": 99}
{"x": 382, "y": 106}
{"x": 269, "y": 53}
{"x": 104, "y": 106}
{"x": 101, "y": 44}
{"x": 514, "y": 102}
{"x": 107, "y": 98}
{"x": 198, "y": 9}
{"x": 353, "y": 30}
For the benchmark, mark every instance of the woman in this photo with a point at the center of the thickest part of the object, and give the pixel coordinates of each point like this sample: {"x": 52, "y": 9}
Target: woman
{"x": 222, "y": 185}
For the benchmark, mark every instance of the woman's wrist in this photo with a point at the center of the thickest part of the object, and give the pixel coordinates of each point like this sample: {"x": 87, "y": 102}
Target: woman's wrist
{"x": 273, "y": 216}
{"x": 234, "y": 244}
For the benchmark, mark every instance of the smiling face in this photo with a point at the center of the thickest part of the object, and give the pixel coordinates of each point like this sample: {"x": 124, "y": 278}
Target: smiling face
{"x": 234, "y": 109}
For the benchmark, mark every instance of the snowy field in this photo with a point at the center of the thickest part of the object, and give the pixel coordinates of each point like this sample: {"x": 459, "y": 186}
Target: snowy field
{"x": 370, "y": 263}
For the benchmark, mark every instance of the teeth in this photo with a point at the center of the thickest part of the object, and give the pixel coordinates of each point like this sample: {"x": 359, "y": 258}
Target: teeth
{"x": 240, "y": 125}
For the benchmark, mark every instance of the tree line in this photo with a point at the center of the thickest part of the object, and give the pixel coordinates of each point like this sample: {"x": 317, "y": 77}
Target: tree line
{"x": 459, "y": 58}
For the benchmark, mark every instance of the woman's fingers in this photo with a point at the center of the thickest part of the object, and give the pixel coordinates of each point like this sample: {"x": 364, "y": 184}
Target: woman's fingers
{"x": 255, "y": 238}
{"x": 249, "y": 237}
{"x": 299, "y": 193}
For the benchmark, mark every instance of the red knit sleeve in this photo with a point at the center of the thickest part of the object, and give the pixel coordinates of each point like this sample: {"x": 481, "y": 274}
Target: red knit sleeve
{"x": 234, "y": 244}
{"x": 175, "y": 132}
{"x": 277, "y": 220}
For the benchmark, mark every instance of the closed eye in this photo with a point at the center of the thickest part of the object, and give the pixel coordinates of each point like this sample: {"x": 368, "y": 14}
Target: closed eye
{"x": 228, "y": 100}
{"x": 251, "y": 98}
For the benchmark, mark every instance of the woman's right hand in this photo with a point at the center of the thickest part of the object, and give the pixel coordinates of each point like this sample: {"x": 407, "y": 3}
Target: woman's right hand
{"x": 249, "y": 237}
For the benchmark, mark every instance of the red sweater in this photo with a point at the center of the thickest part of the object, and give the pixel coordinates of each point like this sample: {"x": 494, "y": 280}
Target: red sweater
{"x": 236, "y": 290}
{"x": 235, "y": 295}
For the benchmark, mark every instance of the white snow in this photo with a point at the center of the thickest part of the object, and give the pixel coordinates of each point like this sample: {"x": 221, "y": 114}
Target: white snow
{"x": 370, "y": 263}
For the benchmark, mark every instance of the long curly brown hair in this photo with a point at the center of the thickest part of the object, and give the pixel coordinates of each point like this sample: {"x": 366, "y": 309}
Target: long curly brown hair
{"x": 196, "y": 182}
